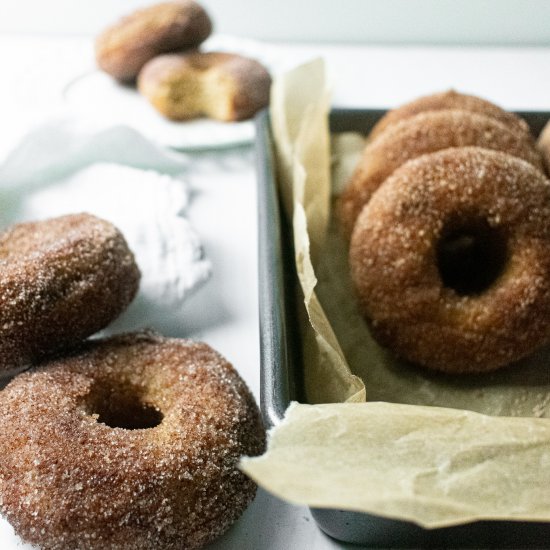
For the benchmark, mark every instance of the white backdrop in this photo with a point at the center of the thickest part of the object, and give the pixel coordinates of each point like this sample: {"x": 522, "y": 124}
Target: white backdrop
{"x": 364, "y": 21}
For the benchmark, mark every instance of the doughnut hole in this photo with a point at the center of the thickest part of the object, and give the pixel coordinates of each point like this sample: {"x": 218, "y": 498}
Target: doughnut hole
{"x": 122, "y": 405}
{"x": 471, "y": 255}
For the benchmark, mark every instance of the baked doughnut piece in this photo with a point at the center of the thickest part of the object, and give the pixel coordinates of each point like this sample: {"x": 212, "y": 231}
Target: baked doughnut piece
{"x": 450, "y": 100}
{"x": 122, "y": 49}
{"x": 425, "y": 133}
{"x": 543, "y": 144}
{"x": 61, "y": 280}
{"x": 132, "y": 442}
{"x": 218, "y": 85}
{"x": 451, "y": 260}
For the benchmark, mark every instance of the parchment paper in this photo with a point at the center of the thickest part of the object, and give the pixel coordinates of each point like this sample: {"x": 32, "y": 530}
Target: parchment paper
{"x": 299, "y": 115}
{"x": 402, "y": 455}
{"x": 434, "y": 466}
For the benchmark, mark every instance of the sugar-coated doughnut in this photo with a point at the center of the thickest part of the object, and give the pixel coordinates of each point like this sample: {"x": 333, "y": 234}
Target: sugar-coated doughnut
{"x": 122, "y": 49}
{"x": 218, "y": 85}
{"x": 131, "y": 442}
{"x": 451, "y": 260}
{"x": 450, "y": 100}
{"x": 543, "y": 144}
{"x": 61, "y": 280}
{"x": 420, "y": 134}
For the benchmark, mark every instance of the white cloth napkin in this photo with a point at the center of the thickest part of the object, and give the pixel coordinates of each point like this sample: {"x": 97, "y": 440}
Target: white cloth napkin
{"x": 69, "y": 165}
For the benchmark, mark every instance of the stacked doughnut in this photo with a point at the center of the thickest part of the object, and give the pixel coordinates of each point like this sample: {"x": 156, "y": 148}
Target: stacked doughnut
{"x": 61, "y": 281}
{"x": 158, "y": 47}
{"x": 448, "y": 215}
{"x": 121, "y": 443}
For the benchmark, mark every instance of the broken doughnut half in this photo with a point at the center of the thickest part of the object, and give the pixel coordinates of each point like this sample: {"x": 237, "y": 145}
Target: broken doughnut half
{"x": 222, "y": 86}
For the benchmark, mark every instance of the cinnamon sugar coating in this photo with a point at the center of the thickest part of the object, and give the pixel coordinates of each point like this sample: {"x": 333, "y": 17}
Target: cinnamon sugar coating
{"x": 420, "y": 134}
{"x": 71, "y": 477}
{"x": 61, "y": 280}
{"x": 398, "y": 276}
{"x": 123, "y": 48}
{"x": 450, "y": 100}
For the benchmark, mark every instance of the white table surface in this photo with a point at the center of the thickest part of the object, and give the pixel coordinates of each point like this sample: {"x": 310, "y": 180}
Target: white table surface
{"x": 224, "y": 313}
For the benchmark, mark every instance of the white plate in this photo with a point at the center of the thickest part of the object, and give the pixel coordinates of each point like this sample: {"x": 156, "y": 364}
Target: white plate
{"x": 97, "y": 93}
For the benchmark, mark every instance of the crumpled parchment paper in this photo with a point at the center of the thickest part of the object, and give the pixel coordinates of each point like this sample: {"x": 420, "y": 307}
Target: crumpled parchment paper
{"x": 433, "y": 466}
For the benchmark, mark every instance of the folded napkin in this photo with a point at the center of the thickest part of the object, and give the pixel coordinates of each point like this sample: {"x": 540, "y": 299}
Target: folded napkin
{"x": 70, "y": 164}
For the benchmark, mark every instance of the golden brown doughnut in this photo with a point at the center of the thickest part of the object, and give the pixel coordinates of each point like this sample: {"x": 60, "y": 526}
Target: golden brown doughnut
{"x": 451, "y": 260}
{"x": 122, "y": 49}
{"x": 132, "y": 442}
{"x": 543, "y": 144}
{"x": 61, "y": 280}
{"x": 218, "y": 85}
{"x": 450, "y": 100}
{"x": 421, "y": 134}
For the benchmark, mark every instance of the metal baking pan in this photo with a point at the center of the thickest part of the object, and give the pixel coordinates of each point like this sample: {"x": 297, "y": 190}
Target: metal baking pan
{"x": 282, "y": 370}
